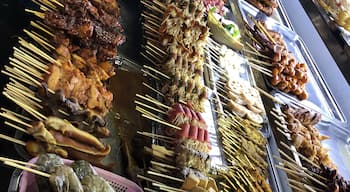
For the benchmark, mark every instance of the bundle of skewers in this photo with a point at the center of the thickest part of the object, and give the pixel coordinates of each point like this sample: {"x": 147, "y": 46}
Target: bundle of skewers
{"x": 176, "y": 34}
{"x": 245, "y": 150}
{"x": 235, "y": 93}
{"x": 180, "y": 158}
{"x": 59, "y": 78}
{"x": 52, "y": 174}
{"x": 287, "y": 73}
{"x": 265, "y": 6}
{"x": 319, "y": 173}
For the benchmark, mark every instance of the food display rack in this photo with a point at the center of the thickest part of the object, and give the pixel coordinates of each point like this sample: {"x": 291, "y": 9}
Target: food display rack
{"x": 334, "y": 117}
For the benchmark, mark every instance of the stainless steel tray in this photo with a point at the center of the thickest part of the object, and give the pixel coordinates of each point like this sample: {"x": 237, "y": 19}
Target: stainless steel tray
{"x": 279, "y": 14}
{"x": 273, "y": 177}
{"x": 338, "y": 144}
{"x": 320, "y": 98}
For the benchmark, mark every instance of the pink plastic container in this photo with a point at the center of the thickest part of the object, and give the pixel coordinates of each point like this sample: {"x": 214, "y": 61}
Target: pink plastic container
{"x": 120, "y": 184}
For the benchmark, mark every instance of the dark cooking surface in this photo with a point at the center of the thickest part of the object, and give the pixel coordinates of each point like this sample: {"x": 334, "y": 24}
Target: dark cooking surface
{"x": 12, "y": 21}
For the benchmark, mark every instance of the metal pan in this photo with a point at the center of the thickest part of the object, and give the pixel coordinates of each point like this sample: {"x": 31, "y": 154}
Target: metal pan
{"x": 320, "y": 98}
{"x": 338, "y": 143}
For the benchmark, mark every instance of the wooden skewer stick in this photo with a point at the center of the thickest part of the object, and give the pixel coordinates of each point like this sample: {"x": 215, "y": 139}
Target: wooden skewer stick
{"x": 268, "y": 95}
{"x": 161, "y": 122}
{"x": 151, "y": 7}
{"x": 31, "y": 96}
{"x": 16, "y": 127}
{"x": 154, "y": 109}
{"x": 160, "y": 73}
{"x": 261, "y": 70}
{"x": 260, "y": 61}
{"x": 13, "y": 140}
{"x": 164, "y": 165}
{"x": 253, "y": 39}
{"x": 18, "y": 162}
{"x": 296, "y": 188}
{"x": 148, "y": 27}
{"x": 27, "y": 169}
{"x": 144, "y": 111}
{"x": 159, "y": 54}
{"x": 12, "y": 117}
{"x": 301, "y": 174}
{"x": 30, "y": 60}
{"x": 26, "y": 107}
{"x": 147, "y": 179}
{"x": 253, "y": 48}
{"x": 40, "y": 3}
{"x": 146, "y": 57}
{"x": 16, "y": 114}
{"x": 152, "y": 23}
{"x": 36, "y": 13}
{"x": 153, "y": 101}
{"x": 146, "y": 72}
{"x": 57, "y": 2}
{"x": 302, "y": 156}
{"x": 34, "y": 24}
{"x": 38, "y": 51}
{"x": 165, "y": 176}
{"x": 158, "y": 60}
{"x": 280, "y": 118}
{"x": 156, "y": 135}
{"x": 18, "y": 78}
{"x": 160, "y": 4}
{"x": 149, "y": 190}
{"x": 43, "y": 42}
{"x": 262, "y": 29}
{"x": 149, "y": 17}
{"x": 157, "y": 48}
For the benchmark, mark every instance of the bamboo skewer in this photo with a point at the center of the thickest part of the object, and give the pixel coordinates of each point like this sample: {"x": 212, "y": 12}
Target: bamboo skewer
{"x": 13, "y": 140}
{"x": 151, "y": 75}
{"x": 154, "y": 109}
{"x": 155, "y": 47}
{"x": 164, "y": 165}
{"x": 302, "y": 156}
{"x": 301, "y": 174}
{"x": 17, "y": 161}
{"x": 147, "y": 179}
{"x": 165, "y": 176}
{"x": 34, "y": 24}
{"x": 16, "y": 127}
{"x": 15, "y": 114}
{"x": 161, "y": 122}
{"x": 260, "y": 61}
{"x": 153, "y": 56}
{"x": 156, "y": 71}
{"x": 146, "y": 57}
{"x": 149, "y": 190}
{"x": 153, "y": 101}
{"x": 38, "y": 51}
{"x": 260, "y": 68}
{"x": 36, "y": 13}
{"x": 144, "y": 111}
{"x": 268, "y": 95}
{"x": 27, "y": 169}
{"x": 41, "y": 40}
{"x": 155, "y": 135}
{"x": 150, "y": 17}
{"x": 262, "y": 29}
{"x": 157, "y": 53}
